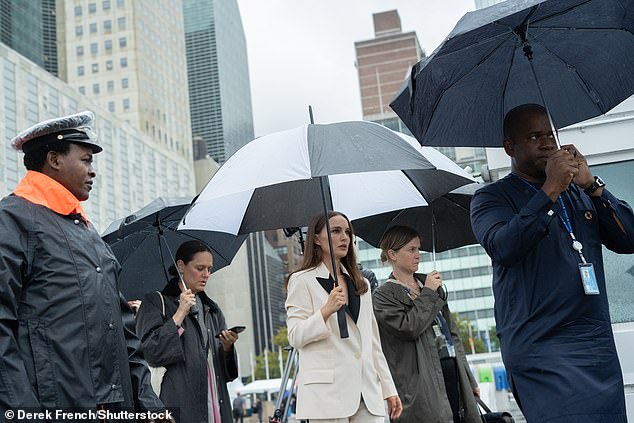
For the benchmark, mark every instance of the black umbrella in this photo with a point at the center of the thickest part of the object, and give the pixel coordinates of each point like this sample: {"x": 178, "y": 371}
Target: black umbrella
{"x": 443, "y": 225}
{"x": 145, "y": 243}
{"x": 572, "y": 56}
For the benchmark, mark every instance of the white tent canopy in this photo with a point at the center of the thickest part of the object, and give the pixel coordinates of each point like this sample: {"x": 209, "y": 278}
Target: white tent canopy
{"x": 263, "y": 386}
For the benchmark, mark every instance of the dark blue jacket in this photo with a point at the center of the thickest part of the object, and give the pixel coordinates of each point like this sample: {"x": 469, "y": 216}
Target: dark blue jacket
{"x": 557, "y": 342}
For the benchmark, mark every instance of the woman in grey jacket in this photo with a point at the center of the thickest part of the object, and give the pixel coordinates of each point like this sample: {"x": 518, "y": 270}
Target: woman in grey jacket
{"x": 178, "y": 329}
{"x": 419, "y": 338}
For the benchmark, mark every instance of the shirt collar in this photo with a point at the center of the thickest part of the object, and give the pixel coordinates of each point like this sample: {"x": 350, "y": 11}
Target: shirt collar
{"x": 41, "y": 189}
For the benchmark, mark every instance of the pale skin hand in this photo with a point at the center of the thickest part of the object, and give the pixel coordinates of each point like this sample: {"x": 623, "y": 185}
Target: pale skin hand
{"x": 336, "y": 299}
{"x": 394, "y": 407}
{"x": 187, "y": 300}
{"x": 433, "y": 280}
{"x": 476, "y": 391}
{"x": 561, "y": 168}
{"x": 227, "y": 339}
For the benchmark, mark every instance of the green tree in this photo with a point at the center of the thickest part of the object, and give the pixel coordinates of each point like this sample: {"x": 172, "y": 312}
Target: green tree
{"x": 463, "y": 330}
{"x": 280, "y": 340}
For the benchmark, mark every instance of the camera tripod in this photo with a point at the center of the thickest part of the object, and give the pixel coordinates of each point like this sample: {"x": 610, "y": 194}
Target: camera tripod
{"x": 292, "y": 365}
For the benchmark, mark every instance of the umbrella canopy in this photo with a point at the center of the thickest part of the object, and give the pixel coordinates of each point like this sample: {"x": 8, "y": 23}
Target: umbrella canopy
{"x": 580, "y": 55}
{"x": 146, "y": 242}
{"x": 274, "y": 181}
{"x": 443, "y": 225}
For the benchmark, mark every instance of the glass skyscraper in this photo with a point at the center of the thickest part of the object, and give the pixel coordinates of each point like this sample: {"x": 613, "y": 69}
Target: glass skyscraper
{"x": 29, "y": 27}
{"x": 217, "y": 68}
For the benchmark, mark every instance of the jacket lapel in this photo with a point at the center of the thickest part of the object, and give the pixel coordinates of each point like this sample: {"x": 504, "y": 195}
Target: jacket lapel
{"x": 327, "y": 283}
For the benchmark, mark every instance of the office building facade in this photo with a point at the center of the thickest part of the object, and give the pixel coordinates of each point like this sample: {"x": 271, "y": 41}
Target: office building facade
{"x": 131, "y": 171}
{"x": 218, "y": 75}
{"x": 128, "y": 56}
{"x": 266, "y": 273}
{"x": 30, "y": 28}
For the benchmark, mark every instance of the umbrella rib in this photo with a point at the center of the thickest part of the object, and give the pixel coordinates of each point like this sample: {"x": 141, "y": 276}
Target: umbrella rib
{"x": 584, "y": 84}
{"x": 565, "y": 28}
{"x": 512, "y": 30}
{"x": 506, "y": 82}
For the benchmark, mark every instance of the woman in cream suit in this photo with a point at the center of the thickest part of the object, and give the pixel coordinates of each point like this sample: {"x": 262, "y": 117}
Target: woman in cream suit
{"x": 340, "y": 380}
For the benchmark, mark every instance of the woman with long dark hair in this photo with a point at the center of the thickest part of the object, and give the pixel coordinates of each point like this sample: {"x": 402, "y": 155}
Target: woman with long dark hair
{"x": 419, "y": 338}
{"x": 339, "y": 380}
{"x": 178, "y": 328}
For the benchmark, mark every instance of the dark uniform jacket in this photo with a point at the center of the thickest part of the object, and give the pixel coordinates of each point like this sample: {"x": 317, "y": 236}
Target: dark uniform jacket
{"x": 185, "y": 384}
{"x": 66, "y": 335}
{"x": 557, "y": 342}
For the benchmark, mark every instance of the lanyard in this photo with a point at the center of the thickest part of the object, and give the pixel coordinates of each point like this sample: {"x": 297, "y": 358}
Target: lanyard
{"x": 565, "y": 220}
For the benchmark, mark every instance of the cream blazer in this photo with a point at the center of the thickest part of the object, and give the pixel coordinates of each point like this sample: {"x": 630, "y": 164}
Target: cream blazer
{"x": 334, "y": 372}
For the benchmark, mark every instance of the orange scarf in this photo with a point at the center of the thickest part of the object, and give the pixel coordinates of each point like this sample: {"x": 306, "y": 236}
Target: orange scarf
{"x": 41, "y": 189}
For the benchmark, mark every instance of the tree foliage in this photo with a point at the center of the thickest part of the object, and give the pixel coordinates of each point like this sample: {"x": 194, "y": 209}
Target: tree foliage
{"x": 478, "y": 344}
{"x": 280, "y": 340}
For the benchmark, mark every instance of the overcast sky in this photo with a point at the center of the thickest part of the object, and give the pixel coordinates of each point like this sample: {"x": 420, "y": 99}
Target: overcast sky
{"x": 301, "y": 52}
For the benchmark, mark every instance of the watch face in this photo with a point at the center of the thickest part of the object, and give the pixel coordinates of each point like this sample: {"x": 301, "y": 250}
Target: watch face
{"x": 598, "y": 182}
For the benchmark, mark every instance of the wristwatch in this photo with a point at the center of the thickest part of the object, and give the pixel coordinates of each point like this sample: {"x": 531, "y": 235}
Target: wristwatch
{"x": 598, "y": 183}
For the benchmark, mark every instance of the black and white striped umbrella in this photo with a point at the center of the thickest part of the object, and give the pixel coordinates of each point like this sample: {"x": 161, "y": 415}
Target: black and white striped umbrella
{"x": 274, "y": 181}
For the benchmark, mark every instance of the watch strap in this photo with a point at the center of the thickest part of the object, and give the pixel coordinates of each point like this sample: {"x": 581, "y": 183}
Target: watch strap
{"x": 598, "y": 183}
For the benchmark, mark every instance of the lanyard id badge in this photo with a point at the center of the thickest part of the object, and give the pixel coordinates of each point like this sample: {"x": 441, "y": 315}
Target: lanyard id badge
{"x": 586, "y": 270}
{"x": 588, "y": 279}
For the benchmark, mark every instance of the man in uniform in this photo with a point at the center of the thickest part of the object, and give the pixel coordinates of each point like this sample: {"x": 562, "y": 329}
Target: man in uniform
{"x": 543, "y": 226}
{"x": 66, "y": 335}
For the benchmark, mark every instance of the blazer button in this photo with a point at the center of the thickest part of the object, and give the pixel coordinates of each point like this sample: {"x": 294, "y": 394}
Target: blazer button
{"x": 357, "y": 355}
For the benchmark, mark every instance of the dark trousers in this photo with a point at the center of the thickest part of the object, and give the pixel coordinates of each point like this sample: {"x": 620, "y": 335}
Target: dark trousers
{"x": 452, "y": 385}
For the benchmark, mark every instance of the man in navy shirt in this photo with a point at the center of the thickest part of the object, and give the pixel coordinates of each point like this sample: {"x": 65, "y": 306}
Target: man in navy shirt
{"x": 543, "y": 227}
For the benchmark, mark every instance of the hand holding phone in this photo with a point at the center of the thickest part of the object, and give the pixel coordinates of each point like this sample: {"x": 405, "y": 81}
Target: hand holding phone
{"x": 235, "y": 329}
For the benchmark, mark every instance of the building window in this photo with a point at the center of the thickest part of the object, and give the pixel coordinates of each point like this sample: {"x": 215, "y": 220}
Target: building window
{"x": 123, "y": 42}
{"x": 92, "y": 7}
{"x": 93, "y": 48}
{"x": 80, "y": 50}
{"x": 110, "y": 85}
{"x": 78, "y": 11}
{"x": 111, "y": 106}
{"x": 106, "y": 4}
{"x": 120, "y": 3}
{"x": 95, "y": 67}
{"x": 80, "y": 71}
{"x": 79, "y": 30}
{"x": 93, "y": 27}
{"x": 124, "y": 83}
{"x": 124, "y": 62}
{"x": 95, "y": 88}
{"x": 108, "y": 45}
{"x": 121, "y": 23}
{"x": 107, "y": 26}
{"x": 82, "y": 90}
{"x": 126, "y": 104}
{"x": 109, "y": 65}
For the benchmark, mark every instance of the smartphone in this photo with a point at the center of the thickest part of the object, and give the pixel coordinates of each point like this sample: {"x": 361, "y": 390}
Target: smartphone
{"x": 235, "y": 329}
